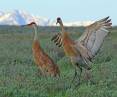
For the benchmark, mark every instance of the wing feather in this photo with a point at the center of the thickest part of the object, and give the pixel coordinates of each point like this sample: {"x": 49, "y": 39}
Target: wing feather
{"x": 57, "y": 39}
{"x": 94, "y": 35}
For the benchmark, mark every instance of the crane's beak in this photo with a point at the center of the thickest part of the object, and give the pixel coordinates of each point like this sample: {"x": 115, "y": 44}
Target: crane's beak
{"x": 29, "y": 24}
{"x": 26, "y": 25}
{"x": 56, "y": 22}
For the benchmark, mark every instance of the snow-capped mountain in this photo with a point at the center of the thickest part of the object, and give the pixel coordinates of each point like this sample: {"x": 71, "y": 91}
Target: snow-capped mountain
{"x": 21, "y": 18}
{"x": 18, "y": 17}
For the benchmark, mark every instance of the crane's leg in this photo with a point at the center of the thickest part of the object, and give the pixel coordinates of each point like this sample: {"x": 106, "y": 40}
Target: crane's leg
{"x": 79, "y": 77}
{"x": 88, "y": 77}
{"x": 43, "y": 73}
{"x": 39, "y": 73}
{"x": 80, "y": 72}
{"x": 75, "y": 74}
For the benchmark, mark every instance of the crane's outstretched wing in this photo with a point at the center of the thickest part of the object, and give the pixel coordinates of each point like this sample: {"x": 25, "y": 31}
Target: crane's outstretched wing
{"x": 94, "y": 35}
{"x": 57, "y": 39}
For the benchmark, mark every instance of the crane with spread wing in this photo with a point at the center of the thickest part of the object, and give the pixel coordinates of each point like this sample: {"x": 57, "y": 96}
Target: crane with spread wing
{"x": 83, "y": 50}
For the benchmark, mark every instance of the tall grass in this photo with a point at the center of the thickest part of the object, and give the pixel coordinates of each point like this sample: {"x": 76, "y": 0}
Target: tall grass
{"x": 19, "y": 76}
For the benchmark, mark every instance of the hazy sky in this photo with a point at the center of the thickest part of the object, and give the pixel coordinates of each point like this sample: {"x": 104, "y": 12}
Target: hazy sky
{"x": 69, "y": 10}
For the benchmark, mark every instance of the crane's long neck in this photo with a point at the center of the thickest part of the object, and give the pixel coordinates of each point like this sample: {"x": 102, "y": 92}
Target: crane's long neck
{"x": 62, "y": 27}
{"x": 36, "y": 44}
{"x": 64, "y": 33}
{"x": 35, "y": 32}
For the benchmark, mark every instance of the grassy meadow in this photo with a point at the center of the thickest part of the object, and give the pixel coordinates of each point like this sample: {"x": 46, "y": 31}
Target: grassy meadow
{"x": 19, "y": 76}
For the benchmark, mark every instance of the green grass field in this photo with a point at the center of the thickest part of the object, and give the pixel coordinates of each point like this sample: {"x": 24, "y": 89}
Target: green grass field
{"x": 19, "y": 75}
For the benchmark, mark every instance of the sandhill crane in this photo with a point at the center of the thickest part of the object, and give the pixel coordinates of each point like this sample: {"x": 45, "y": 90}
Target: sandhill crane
{"x": 43, "y": 61}
{"x": 83, "y": 50}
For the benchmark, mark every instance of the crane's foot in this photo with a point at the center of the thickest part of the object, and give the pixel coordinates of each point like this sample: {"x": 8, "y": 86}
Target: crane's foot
{"x": 88, "y": 78}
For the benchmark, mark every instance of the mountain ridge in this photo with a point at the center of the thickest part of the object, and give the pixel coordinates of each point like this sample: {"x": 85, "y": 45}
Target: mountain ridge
{"x": 18, "y": 17}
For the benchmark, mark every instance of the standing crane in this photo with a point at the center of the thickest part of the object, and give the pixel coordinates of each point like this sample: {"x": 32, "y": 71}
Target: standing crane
{"x": 44, "y": 62}
{"x": 83, "y": 50}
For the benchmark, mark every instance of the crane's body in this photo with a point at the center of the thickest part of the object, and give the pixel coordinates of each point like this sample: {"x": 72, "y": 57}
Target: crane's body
{"x": 84, "y": 49}
{"x": 68, "y": 45}
{"x": 71, "y": 51}
{"x": 43, "y": 61}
